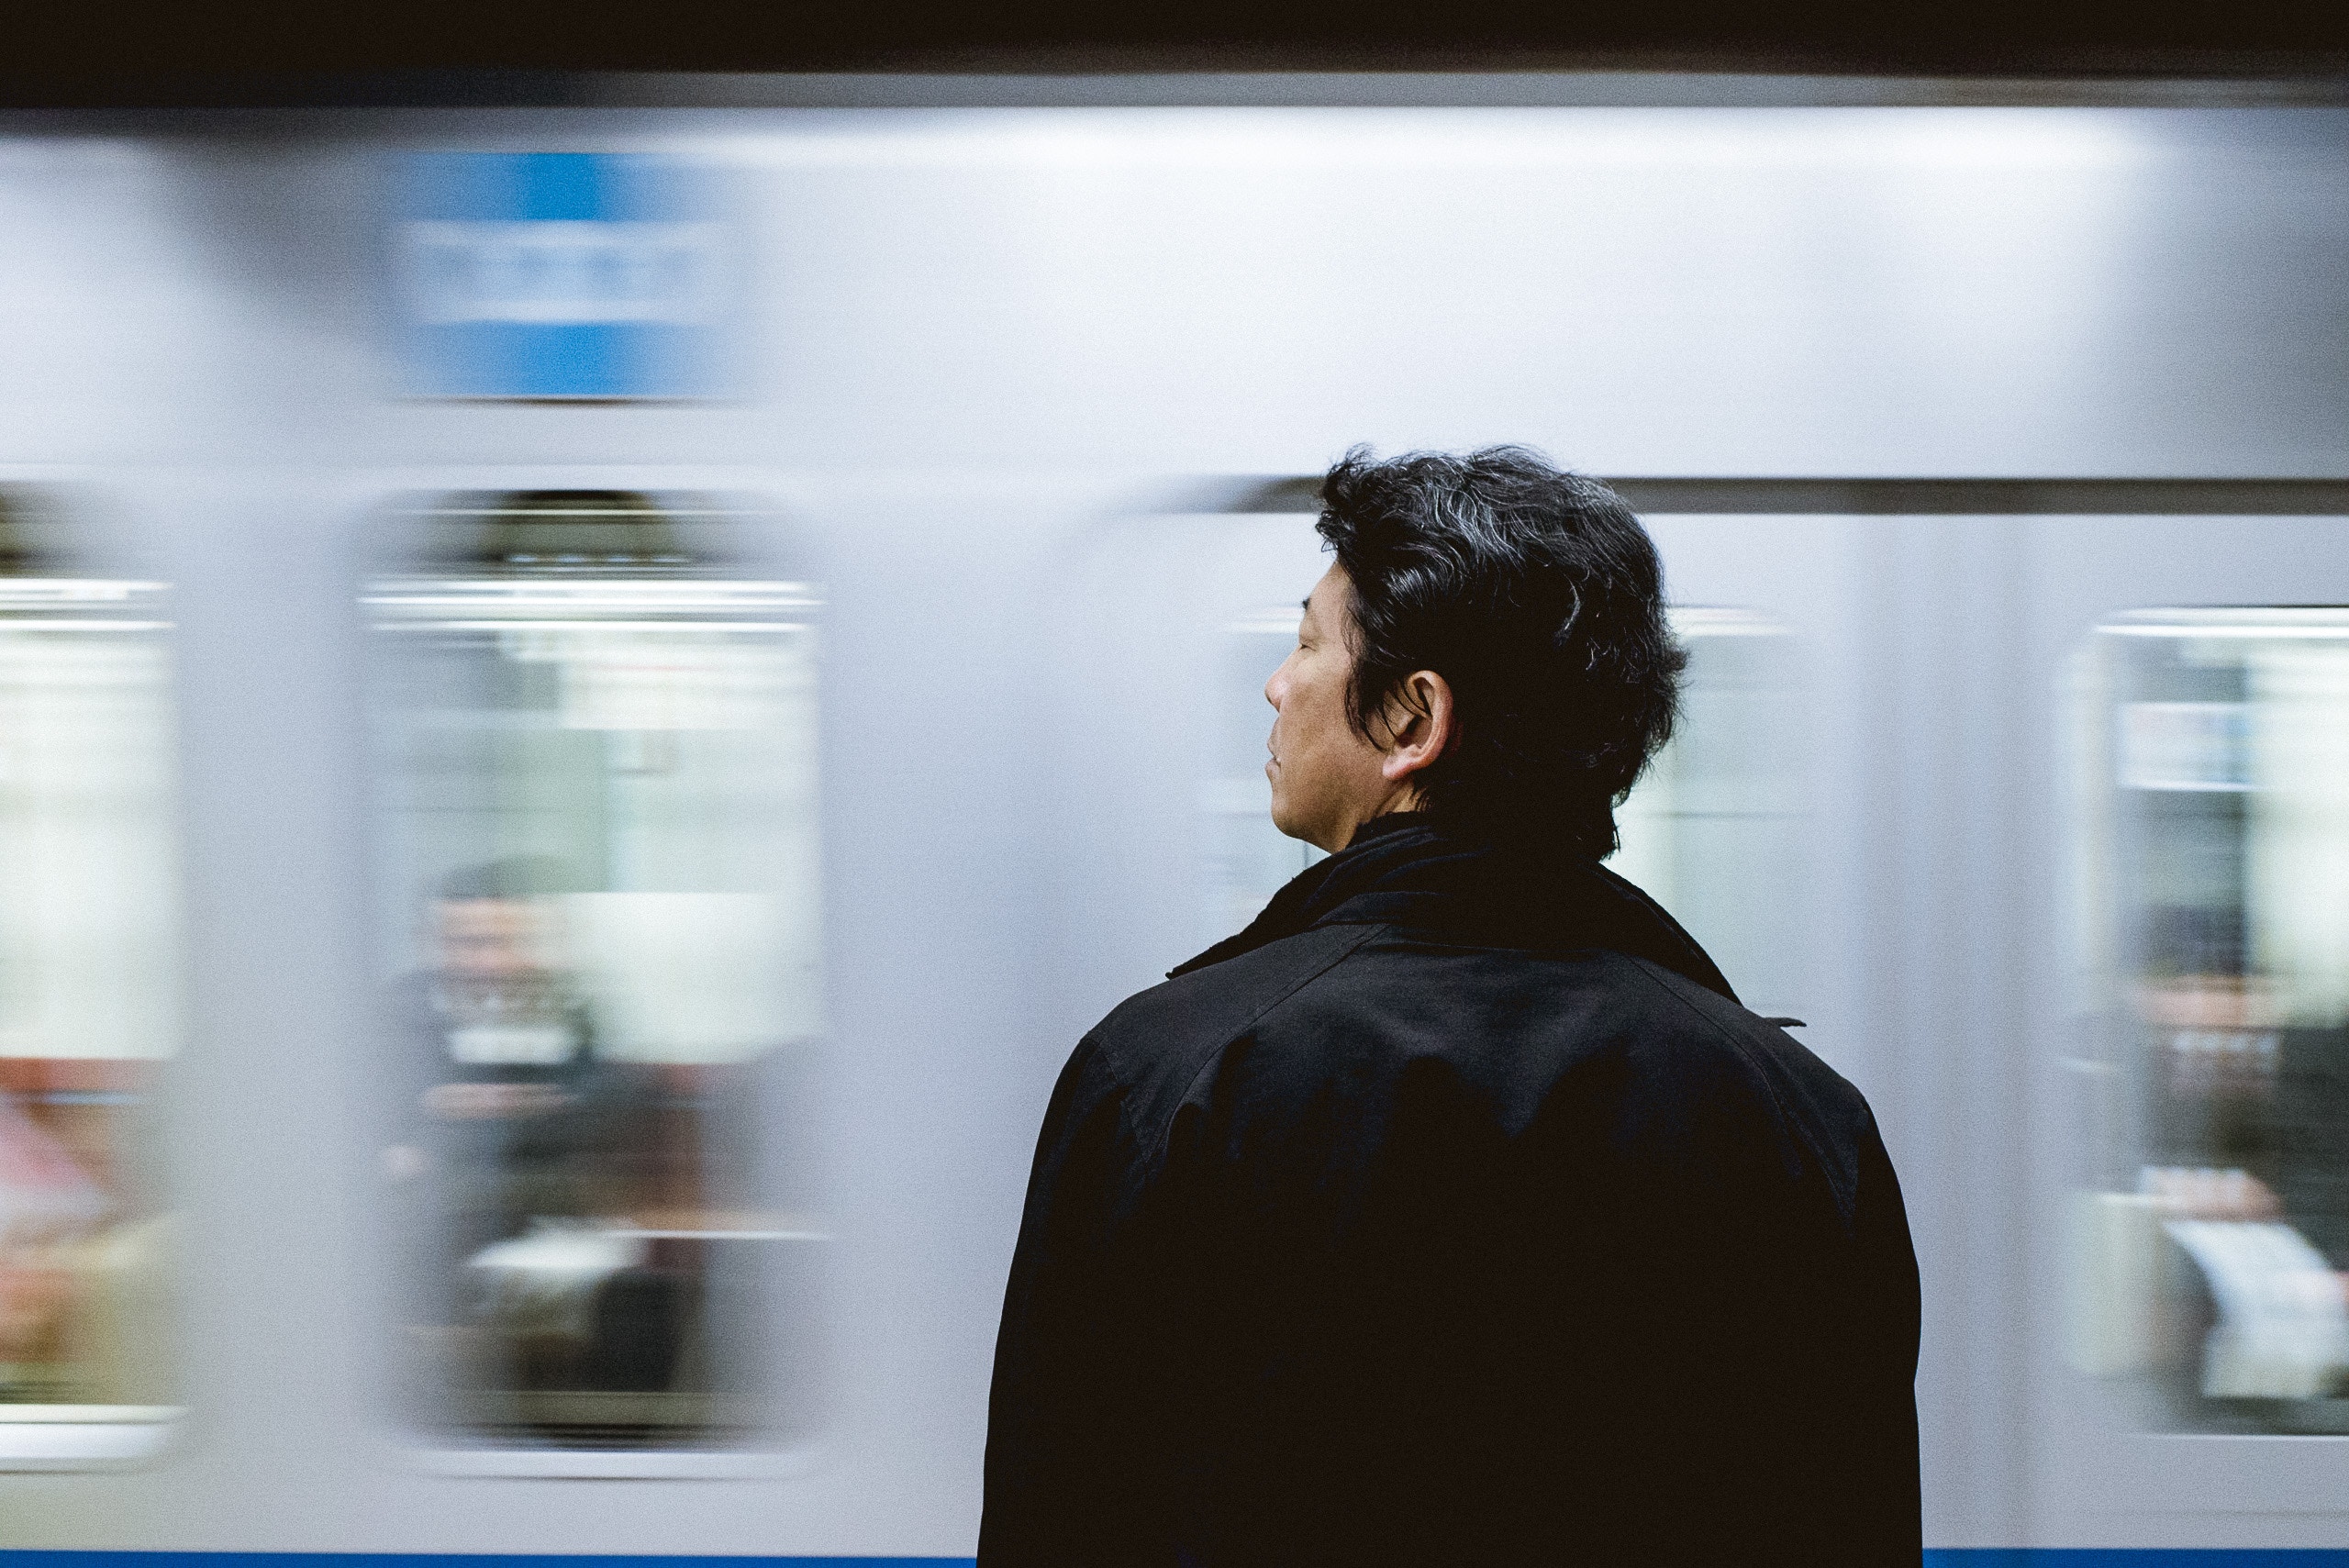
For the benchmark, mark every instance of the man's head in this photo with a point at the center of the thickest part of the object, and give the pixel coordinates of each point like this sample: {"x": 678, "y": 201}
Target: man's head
{"x": 499, "y": 921}
{"x": 496, "y": 939}
{"x": 1490, "y": 646}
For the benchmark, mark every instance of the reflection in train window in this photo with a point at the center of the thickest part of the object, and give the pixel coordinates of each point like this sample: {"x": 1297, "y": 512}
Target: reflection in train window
{"x": 89, "y": 1005}
{"x": 2210, "y": 1247}
{"x": 595, "y": 761}
{"x": 1710, "y": 831}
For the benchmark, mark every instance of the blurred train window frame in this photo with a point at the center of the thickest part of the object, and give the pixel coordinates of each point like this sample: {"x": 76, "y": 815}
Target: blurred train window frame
{"x": 743, "y": 585}
{"x": 2208, "y": 1021}
{"x": 58, "y": 579}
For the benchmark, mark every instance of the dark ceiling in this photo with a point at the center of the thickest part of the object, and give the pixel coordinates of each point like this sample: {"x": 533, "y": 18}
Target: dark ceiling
{"x": 130, "y": 52}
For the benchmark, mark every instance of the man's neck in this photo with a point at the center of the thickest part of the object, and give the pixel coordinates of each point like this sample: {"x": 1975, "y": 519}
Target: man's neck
{"x": 1403, "y": 804}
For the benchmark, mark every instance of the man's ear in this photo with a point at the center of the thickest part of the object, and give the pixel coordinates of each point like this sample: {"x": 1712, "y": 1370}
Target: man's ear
{"x": 1422, "y": 721}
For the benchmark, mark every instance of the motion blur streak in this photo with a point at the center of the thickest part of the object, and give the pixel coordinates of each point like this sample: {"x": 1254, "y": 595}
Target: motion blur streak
{"x": 620, "y": 991}
{"x": 597, "y": 803}
{"x": 89, "y": 1010}
{"x": 2212, "y": 1269}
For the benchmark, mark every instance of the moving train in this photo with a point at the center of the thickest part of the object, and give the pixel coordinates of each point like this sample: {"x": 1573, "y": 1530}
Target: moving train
{"x": 591, "y": 700}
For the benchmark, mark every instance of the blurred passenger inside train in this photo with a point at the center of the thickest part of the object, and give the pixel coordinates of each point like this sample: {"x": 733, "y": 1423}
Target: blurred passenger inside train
{"x": 513, "y": 1109}
{"x": 2248, "y": 1115}
{"x": 1455, "y": 1210}
{"x": 513, "y": 1124}
{"x": 2247, "y": 1162}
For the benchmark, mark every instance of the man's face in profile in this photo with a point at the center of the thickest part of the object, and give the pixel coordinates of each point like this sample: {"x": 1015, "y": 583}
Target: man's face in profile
{"x": 1326, "y": 778}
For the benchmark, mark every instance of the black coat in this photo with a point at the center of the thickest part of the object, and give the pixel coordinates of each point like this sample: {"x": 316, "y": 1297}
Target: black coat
{"x": 1453, "y": 1213}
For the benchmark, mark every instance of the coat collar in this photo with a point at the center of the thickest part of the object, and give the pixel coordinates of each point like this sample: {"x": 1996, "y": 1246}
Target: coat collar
{"x": 1417, "y": 874}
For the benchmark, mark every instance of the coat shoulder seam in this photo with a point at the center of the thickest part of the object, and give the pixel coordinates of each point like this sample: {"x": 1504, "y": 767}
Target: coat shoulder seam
{"x": 1746, "y": 1053}
{"x": 1158, "y": 1147}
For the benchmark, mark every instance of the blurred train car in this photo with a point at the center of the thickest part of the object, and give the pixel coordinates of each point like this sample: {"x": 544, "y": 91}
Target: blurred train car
{"x": 591, "y": 700}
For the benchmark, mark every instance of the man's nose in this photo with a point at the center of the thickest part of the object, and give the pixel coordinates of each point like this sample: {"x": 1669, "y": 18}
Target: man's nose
{"x": 1275, "y": 689}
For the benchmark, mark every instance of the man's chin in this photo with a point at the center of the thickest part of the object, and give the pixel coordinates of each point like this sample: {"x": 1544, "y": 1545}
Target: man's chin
{"x": 1292, "y": 827}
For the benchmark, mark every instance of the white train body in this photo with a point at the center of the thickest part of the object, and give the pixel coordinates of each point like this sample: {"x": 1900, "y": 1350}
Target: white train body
{"x": 1013, "y": 401}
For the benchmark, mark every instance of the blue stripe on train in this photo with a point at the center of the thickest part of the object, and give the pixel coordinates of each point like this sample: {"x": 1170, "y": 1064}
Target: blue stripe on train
{"x": 1947, "y": 1557}
{"x": 2114, "y": 1557}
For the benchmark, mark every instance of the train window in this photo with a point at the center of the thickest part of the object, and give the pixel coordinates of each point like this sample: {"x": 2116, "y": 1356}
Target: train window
{"x": 594, "y": 722}
{"x": 2210, "y": 1247}
{"x": 1710, "y": 832}
{"x": 89, "y": 964}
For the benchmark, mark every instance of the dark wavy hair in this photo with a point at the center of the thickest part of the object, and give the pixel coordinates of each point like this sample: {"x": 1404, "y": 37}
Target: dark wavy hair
{"x": 1537, "y": 594}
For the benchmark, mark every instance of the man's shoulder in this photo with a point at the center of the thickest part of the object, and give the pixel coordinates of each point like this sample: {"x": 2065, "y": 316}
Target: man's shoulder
{"x": 1368, "y": 981}
{"x": 1365, "y": 1003}
{"x": 1810, "y": 1100}
{"x": 1211, "y": 1006}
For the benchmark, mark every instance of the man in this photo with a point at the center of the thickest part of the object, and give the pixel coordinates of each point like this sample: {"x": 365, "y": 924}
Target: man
{"x": 1456, "y": 1212}
{"x": 514, "y": 1140}
{"x": 507, "y": 1097}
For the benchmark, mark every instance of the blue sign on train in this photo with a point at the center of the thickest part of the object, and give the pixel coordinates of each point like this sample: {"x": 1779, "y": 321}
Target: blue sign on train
{"x": 569, "y": 275}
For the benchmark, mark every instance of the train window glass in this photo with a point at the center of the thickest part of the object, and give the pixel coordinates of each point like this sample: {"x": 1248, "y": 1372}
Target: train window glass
{"x": 1709, "y": 832}
{"x": 89, "y": 1005}
{"x": 594, "y": 723}
{"x": 2210, "y": 1237}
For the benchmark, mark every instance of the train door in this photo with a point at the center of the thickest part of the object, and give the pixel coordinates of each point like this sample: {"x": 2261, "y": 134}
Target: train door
{"x": 2194, "y": 1194}
{"x": 593, "y": 736}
